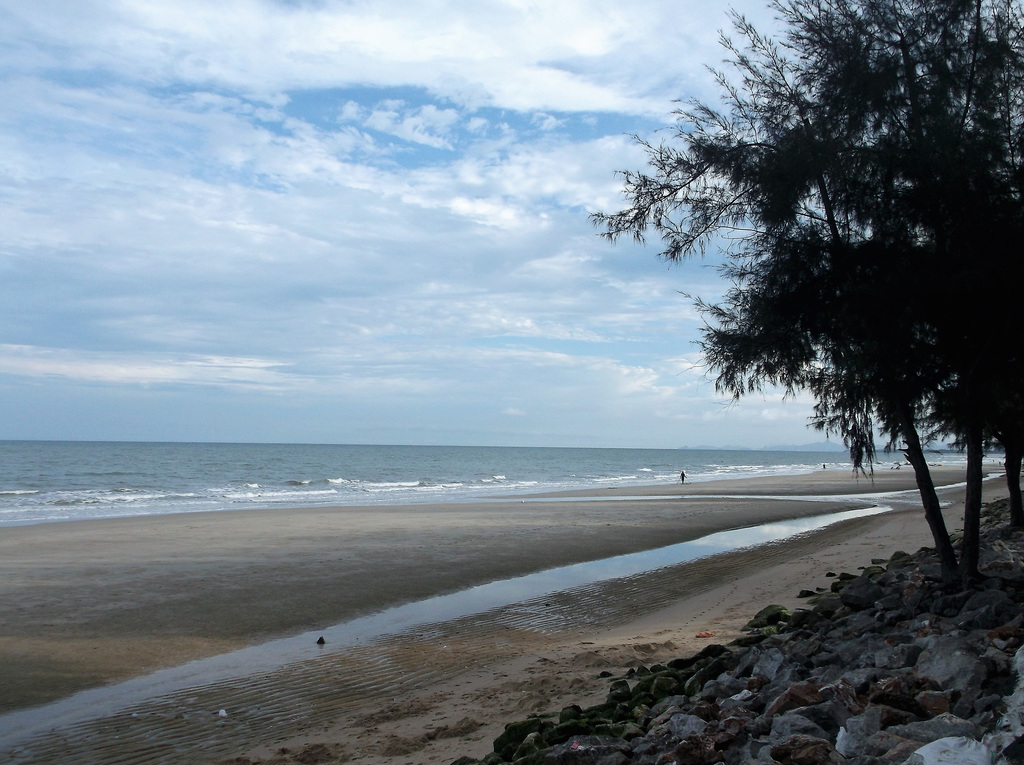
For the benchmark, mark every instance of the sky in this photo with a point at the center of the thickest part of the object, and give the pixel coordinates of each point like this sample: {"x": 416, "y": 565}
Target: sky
{"x": 343, "y": 221}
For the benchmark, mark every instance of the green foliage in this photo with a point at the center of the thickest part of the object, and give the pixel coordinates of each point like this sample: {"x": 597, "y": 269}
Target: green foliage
{"x": 864, "y": 175}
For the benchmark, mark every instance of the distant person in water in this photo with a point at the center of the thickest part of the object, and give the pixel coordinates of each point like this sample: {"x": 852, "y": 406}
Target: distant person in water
{"x": 682, "y": 476}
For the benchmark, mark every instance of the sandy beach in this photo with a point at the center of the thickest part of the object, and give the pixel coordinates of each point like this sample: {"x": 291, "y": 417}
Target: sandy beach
{"x": 89, "y": 604}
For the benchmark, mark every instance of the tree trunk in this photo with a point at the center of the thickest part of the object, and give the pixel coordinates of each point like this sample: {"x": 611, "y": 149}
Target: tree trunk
{"x": 930, "y": 500}
{"x": 1014, "y": 457}
{"x": 972, "y": 505}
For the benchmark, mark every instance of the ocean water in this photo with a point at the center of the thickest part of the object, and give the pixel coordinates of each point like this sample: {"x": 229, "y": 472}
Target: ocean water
{"x": 44, "y": 481}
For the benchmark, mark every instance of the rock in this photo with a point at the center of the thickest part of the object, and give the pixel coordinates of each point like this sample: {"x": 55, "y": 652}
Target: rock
{"x": 683, "y": 725}
{"x": 942, "y": 726}
{"x": 854, "y": 733}
{"x": 531, "y": 745}
{"x": 861, "y": 593}
{"x": 899, "y": 660}
{"x": 843, "y": 692}
{"x": 828, "y": 715}
{"x": 587, "y": 750}
{"x": 952, "y": 751}
{"x": 578, "y": 727}
{"x": 889, "y": 746}
{"x": 1013, "y": 754}
{"x": 828, "y": 607}
{"x": 663, "y": 687}
{"x": 794, "y": 724}
{"x": 772, "y": 614}
{"x": 950, "y": 605}
{"x": 619, "y": 691}
{"x": 805, "y": 750}
{"x": 694, "y": 685}
{"x": 934, "y": 703}
{"x": 797, "y": 695}
{"x": 768, "y": 663}
{"x": 506, "y": 744}
{"x": 668, "y": 706}
{"x": 861, "y": 679}
{"x": 741, "y": 700}
{"x": 615, "y": 758}
{"x": 571, "y": 712}
{"x": 805, "y": 618}
{"x": 900, "y": 702}
{"x": 723, "y": 687}
{"x": 951, "y": 664}
{"x": 747, "y": 659}
{"x": 697, "y": 749}
{"x": 897, "y": 656}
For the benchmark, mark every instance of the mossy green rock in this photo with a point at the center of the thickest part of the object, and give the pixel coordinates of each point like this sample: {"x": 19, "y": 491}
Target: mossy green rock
{"x": 693, "y": 663}
{"x": 642, "y": 687}
{"x": 531, "y": 745}
{"x": 664, "y": 686}
{"x": 565, "y": 731}
{"x": 626, "y": 730}
{"x": 619, "y": 691}
{"x": 515, "y": 733}
{"x": 573, "y": 712}
{"x": 768, "y": 615}
{"x": 827, "y": 607}
{"x": 803, "y": 618}
{"x": 534, "y": 758}
{"x": 709, "y": 671}
{"x": 743, "y": 641}
{"x": 610, "y": 710}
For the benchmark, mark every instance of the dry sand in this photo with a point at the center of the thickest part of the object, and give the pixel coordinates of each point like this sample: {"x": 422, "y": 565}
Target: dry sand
{"x": 91, "y": 603}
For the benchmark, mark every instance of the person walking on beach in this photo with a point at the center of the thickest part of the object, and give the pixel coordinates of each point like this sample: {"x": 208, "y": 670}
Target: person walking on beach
{"x": 682, "y": 476}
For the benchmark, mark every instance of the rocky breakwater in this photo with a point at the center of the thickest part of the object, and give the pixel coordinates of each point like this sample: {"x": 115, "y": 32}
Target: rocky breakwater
{"x": 887, "y": 667}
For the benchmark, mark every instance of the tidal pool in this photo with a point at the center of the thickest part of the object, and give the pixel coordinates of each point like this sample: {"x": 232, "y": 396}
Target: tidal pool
{"x": 123, "y": 697}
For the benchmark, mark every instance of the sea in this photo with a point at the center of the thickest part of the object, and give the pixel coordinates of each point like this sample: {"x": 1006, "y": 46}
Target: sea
{"x": 50, "y": 481}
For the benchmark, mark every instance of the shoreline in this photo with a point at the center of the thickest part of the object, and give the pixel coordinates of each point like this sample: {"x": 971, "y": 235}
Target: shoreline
{"x": 112, "y": 599}
{"x": 146, "y": 492}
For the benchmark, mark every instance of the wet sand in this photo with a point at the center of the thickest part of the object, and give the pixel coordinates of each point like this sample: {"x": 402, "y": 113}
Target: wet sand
{"x": 91, "y": 603}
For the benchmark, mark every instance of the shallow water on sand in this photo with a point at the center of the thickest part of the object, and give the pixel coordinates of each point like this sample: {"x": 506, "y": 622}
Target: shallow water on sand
{"x": 299, "y": 650}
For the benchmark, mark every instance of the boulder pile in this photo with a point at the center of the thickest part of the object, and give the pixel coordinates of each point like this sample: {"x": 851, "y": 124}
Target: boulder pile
{"x": 888, "y": 667}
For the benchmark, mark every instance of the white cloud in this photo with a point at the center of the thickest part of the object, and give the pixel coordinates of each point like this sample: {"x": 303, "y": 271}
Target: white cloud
{"x": 427, "y": 125}
{"x": 151, "y": 369}
{"x": 595, "y": 55}
{"x": 380, "y": 208}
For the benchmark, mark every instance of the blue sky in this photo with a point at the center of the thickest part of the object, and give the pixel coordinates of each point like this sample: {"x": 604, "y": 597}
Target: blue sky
{"x": 327, "y": 221}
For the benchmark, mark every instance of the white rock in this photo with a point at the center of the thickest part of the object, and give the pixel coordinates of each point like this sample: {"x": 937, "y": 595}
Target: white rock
{"x": 952, "y": 751}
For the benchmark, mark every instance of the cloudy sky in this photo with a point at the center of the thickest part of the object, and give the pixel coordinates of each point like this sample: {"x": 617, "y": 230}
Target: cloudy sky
{"x": 350, "y": 221}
